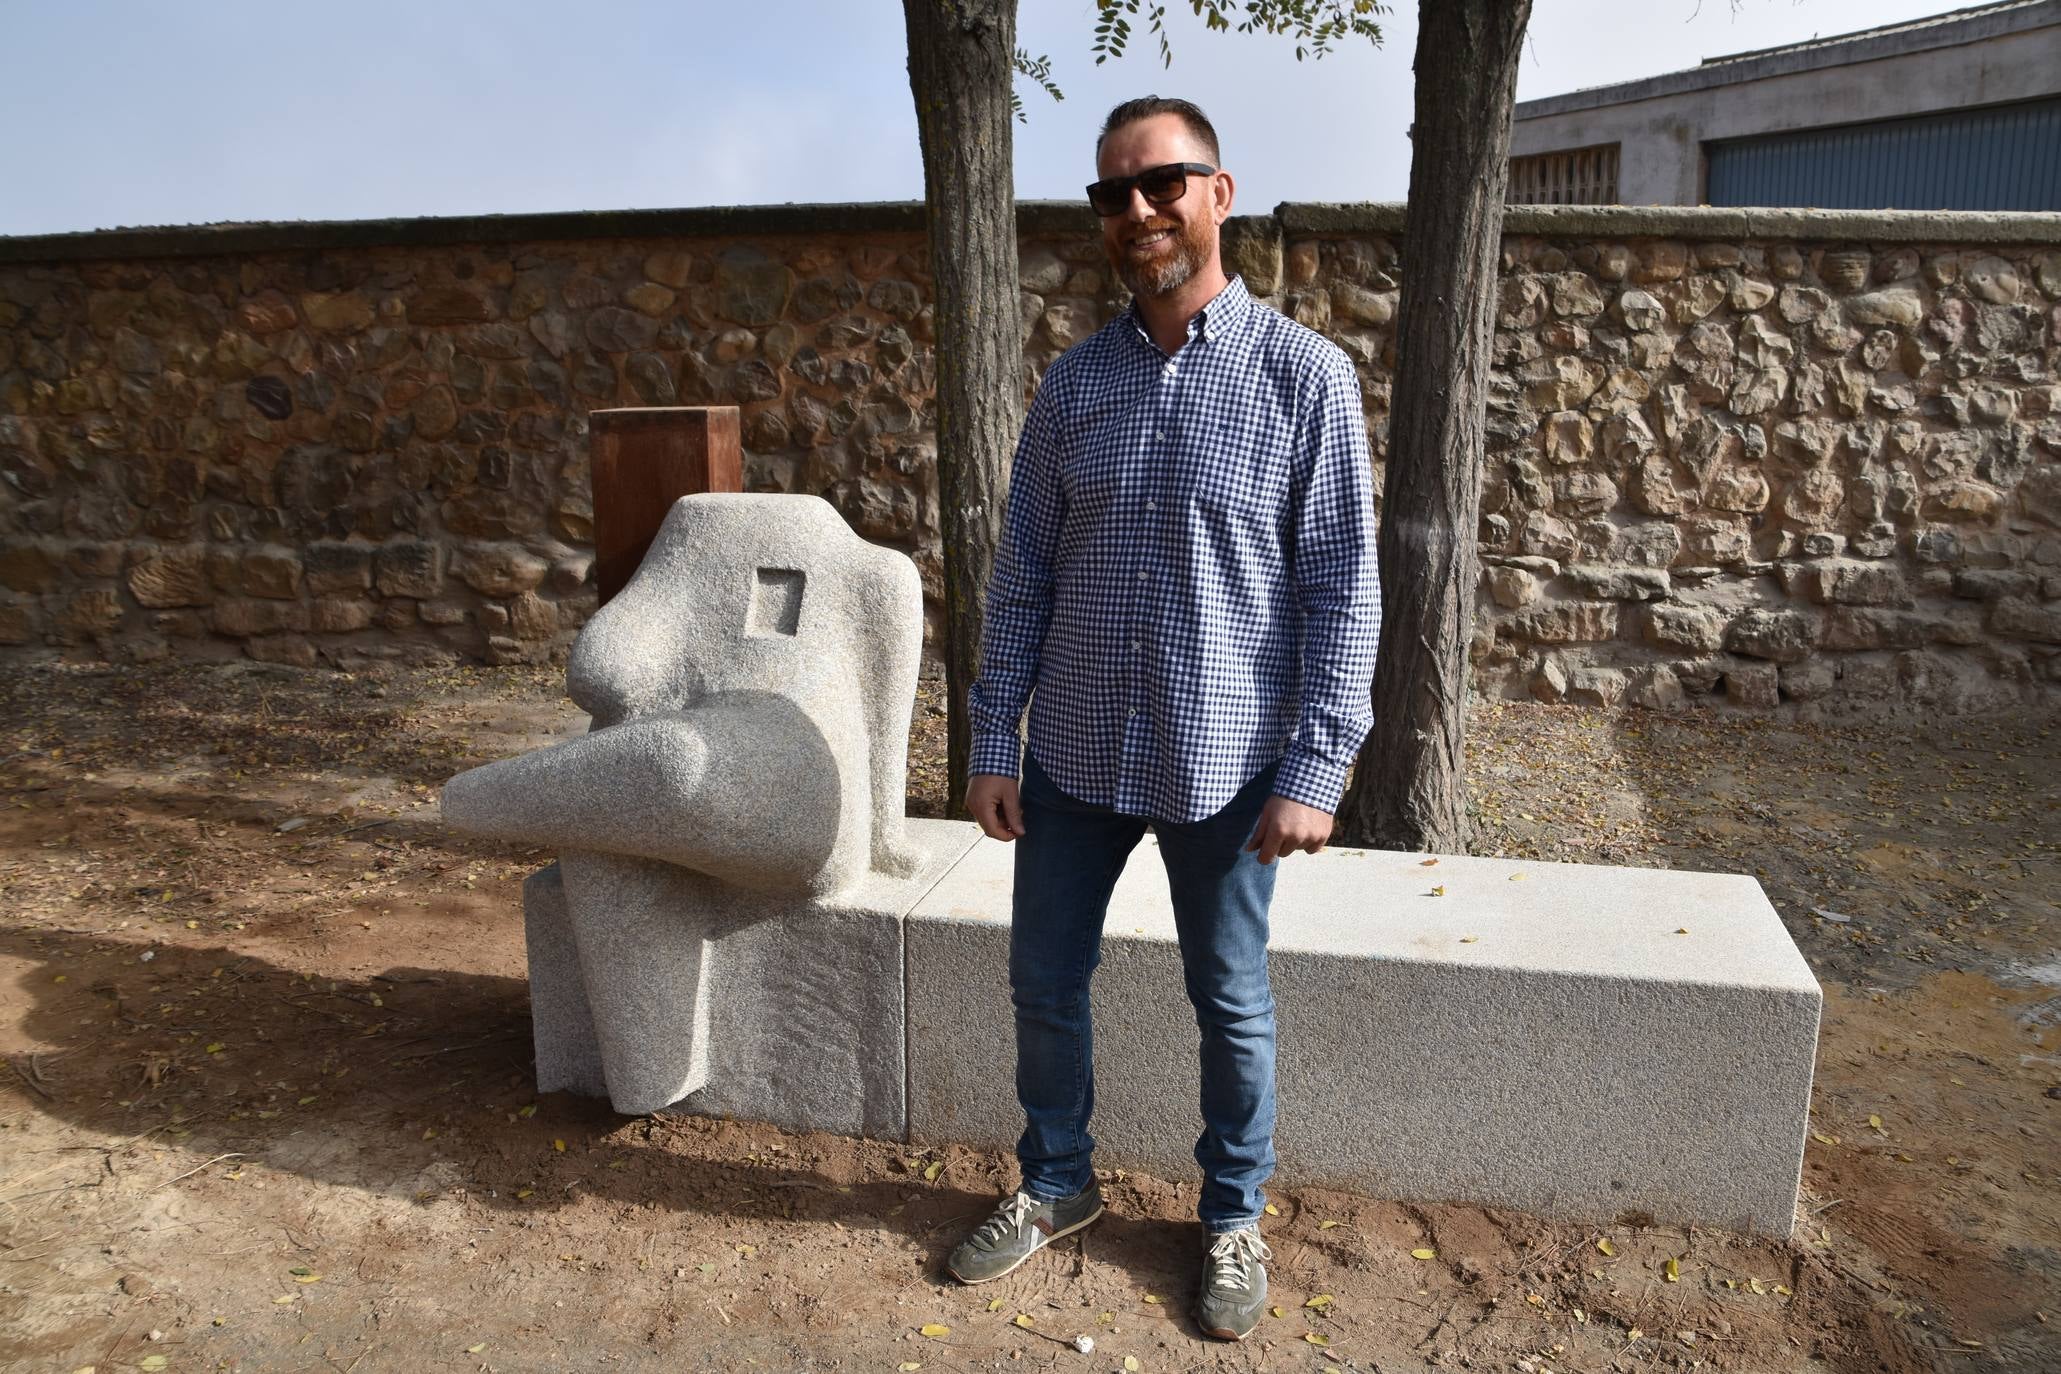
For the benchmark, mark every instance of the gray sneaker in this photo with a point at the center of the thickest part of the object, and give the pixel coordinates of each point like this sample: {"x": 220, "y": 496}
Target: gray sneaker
{"x": 1018, "y": 1229}
{"x": 1234, "y": 1284}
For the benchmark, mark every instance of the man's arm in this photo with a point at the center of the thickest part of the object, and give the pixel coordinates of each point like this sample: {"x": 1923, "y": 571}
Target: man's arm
{"x": 1338, "y": 585}
{"x": 1019, "y": 608}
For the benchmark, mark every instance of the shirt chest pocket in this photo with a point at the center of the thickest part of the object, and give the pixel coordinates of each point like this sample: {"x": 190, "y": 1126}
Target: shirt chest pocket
{"x": 1238, "y": 475}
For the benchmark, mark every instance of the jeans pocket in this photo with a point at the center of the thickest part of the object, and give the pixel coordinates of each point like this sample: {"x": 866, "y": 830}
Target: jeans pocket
{"x": 1033, "y": 784}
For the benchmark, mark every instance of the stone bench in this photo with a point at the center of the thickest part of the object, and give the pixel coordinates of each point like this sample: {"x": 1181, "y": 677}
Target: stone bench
{"x": 1539, "y": 1037}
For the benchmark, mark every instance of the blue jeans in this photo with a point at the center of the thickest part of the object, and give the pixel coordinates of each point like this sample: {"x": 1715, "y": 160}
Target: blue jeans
{"x": 1067, "y": 862}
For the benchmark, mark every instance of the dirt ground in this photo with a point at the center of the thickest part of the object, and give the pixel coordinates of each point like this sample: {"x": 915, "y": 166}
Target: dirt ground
{"x": 268, "y": 1105}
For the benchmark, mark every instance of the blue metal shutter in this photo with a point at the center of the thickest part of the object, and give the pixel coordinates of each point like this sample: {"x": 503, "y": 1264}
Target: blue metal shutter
{"x": 2005, "y": 157}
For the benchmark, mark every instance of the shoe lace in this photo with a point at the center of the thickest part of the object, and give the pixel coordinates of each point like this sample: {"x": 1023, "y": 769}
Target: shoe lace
{"x": 1008, "y": 1220}
{"x": 1231, "y": 1256}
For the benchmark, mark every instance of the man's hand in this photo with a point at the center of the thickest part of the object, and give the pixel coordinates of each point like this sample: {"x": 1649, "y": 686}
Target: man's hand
{"x": 1286, "y": 826}
{"x": 993, "y": 800}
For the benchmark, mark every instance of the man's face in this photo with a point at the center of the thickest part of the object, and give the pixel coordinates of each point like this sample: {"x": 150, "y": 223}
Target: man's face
{"x": 1157, "y": 249}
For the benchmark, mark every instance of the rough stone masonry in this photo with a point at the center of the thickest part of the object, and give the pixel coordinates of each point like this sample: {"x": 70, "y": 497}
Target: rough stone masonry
{"x": 1758, "y": 456}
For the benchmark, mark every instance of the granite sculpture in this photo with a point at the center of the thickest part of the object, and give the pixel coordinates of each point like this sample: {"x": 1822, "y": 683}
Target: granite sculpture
{"x": 750, "y": 692}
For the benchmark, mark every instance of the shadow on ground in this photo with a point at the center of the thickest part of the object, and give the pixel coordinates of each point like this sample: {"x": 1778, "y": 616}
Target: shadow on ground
{"x": 414, "y": 1081}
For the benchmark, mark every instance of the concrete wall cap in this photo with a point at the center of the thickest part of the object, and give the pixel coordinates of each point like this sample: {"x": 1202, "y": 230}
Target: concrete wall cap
{"x": 1034, "y": 219}
{"x": 1705, "y": 222}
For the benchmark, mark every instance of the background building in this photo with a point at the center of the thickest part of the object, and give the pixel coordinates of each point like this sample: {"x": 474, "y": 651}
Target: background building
{"x": 1961, "y": 112}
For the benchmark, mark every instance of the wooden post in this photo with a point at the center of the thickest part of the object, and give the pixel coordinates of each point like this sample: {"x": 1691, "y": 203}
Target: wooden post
{"x": 643, "y": 459}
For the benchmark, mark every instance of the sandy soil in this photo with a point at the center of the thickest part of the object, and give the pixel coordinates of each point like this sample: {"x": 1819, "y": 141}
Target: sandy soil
{"x": 268, "y": 1104}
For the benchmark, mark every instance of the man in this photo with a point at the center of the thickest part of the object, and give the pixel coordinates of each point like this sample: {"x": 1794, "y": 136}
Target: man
{"x": 1187, "y": 579}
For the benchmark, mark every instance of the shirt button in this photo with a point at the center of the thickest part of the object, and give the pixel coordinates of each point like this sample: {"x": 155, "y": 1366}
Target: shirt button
{"x": 1162, "y": 434}
{"x": 1136, "y": 645}
{"x": 1133, "y": 711}
{"x": 1150, "y": 504}
{"x": 1142, "y": 574}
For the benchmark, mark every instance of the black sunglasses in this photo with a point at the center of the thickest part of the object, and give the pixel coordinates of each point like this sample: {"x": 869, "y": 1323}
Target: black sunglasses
{"x": 1161, "y": 185}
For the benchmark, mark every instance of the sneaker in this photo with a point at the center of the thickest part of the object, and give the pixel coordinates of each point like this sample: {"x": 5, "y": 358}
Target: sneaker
{"x": 1020, "y": 1228}
{"x": 1234, "y": 1284}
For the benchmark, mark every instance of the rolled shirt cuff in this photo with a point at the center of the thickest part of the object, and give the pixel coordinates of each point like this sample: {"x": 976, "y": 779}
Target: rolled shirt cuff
{"x": 1310, "y": 779}
{"x": 997, "y": 754}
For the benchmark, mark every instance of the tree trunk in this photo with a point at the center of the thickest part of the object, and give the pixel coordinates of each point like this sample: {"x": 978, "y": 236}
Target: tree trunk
{"x": 1408, "y": 789}
{"x": 961, "y": 73}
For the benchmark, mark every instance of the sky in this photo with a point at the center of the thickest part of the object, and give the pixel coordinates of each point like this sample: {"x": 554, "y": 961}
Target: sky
{"x": 142, "y": 112}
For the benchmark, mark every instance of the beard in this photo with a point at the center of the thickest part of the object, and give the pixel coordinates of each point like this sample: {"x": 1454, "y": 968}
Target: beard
{"x": 1161, "y": 275}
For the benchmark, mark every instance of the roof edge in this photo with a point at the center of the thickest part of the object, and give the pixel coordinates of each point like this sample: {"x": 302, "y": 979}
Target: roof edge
{"x": 1811, "y": 56}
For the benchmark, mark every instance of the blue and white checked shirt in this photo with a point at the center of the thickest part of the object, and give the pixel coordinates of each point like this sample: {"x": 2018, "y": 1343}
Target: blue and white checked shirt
{"x": 1187, "y": 574}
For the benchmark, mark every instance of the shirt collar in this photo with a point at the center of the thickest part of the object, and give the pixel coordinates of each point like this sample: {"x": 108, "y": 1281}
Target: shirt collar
{"x": 1214, "y": 320}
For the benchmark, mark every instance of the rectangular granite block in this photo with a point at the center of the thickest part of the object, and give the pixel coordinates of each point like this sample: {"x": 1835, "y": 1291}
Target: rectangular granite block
{"x": 1539, "y": 1036}
{"x": 796, "y": 1013}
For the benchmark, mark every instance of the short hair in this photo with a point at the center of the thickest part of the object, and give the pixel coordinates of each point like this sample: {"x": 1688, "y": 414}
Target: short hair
{"x": 1146, "y": 106}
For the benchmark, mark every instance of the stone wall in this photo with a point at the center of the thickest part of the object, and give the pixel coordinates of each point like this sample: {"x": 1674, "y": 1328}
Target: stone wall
{"x": 1768, "y": 455}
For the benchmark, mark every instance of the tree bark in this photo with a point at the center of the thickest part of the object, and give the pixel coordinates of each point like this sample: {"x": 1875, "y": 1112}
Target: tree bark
{"x": 1408, "y": 790}
{"x": 961, "y": 73}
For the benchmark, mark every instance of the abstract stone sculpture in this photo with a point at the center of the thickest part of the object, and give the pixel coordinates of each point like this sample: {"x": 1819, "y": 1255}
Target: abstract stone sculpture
{"x": 750, "y": 692}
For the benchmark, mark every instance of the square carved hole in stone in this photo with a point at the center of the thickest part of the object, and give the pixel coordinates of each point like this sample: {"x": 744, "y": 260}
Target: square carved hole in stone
{"x": 776, "y": 599}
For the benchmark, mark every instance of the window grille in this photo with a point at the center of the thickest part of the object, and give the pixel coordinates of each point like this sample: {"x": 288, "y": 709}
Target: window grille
{"x": 1578, "y": 176}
